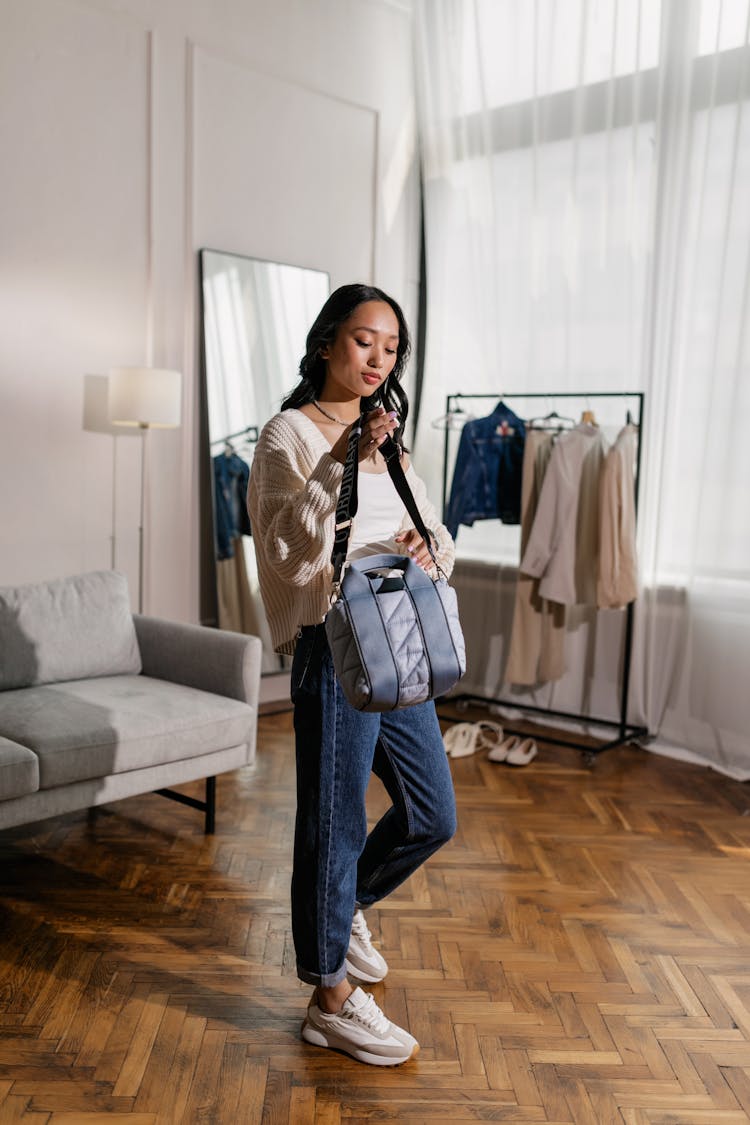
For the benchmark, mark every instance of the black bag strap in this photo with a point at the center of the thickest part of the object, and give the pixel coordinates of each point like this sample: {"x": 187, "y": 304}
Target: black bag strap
{"x": 346, "y": 509}
{"x": 392, "y": 453}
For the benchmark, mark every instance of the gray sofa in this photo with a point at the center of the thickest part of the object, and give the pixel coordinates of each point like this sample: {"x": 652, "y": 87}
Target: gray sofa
{"x": 97, "y": 704}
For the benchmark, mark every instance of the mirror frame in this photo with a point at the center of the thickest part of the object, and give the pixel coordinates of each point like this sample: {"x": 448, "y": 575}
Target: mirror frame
{"x": 208, "y": 588}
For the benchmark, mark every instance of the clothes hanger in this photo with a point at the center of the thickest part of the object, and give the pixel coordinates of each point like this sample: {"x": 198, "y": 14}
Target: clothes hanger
{"x": 551, "y": 421}
{"x": 453, "y": 420}
{"x": 245, "y": 449}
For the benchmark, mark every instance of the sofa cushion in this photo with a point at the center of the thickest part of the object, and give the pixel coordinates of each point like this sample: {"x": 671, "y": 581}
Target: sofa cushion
{"x": 66, "y": 629}
{"x": 92, "y": 728}
{"x": 19, "y": 770}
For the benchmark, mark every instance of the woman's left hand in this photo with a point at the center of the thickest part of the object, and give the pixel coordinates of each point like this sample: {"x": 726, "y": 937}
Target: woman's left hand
{"x": 416, "y": 547}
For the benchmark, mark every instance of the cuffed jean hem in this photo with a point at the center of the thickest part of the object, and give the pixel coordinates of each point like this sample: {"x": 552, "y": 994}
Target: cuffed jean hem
{"x": 327, "y": 980}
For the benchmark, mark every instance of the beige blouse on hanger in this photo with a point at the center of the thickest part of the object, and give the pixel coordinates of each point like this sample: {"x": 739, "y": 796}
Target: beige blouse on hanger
{"x": 563, "y": 547}
{"x": 617, "y": 583}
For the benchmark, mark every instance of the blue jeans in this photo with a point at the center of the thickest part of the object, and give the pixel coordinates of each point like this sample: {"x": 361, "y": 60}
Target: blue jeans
{"x": 337, "y": 866}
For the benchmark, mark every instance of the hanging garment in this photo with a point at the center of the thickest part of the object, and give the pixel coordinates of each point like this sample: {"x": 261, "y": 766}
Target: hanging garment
{"x": 237, "y": 607}
{"x": 487, "y": 475}
{"x": 618, "y": 562}
{"x": 231, "y": 475}
{"x": 536, "y": 650}
{"x": 587, "y": 522}
{"x": 563, "y": 546}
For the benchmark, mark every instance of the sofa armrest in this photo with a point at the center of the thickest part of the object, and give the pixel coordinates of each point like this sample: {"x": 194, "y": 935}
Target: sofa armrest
{"x": 197, "y": 656}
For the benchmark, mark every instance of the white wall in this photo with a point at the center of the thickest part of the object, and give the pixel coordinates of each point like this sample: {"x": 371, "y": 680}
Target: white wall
{"x": 133, "y": 133}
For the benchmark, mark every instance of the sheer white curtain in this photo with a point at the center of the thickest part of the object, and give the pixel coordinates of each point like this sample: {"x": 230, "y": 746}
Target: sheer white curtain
{"x": 587, "y": 195}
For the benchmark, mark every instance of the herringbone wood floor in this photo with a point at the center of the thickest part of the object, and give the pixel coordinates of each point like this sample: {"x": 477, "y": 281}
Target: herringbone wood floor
{"x": 579, "y": 953}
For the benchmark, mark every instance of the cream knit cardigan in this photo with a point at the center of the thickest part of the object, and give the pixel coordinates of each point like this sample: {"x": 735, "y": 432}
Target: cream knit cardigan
{"x": 291, "y": 497}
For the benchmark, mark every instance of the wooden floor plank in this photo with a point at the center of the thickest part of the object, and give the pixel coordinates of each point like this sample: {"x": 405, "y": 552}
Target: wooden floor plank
{"x": 160, "y": 1060}
{"x": 204, "y": 1097}
{"x": 76, "y": 1118}
{"x": 16, "y": 1108}
{"x": 579, "y": 953}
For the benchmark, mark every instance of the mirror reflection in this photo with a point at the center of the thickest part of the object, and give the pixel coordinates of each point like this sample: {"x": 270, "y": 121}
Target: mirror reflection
{"x": 255, "y": 318}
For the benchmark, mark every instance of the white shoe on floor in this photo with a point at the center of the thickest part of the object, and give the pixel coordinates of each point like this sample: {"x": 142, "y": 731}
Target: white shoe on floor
{"x": 514, "y": 751}
{"x": 459, "y": 740}
{"x": 522, "y": 753}
{"x": 361, "y": 1030}
{"x": 463, "y": 739}
{"x": 489, "y": 735}
{"x": 362, "y": 958}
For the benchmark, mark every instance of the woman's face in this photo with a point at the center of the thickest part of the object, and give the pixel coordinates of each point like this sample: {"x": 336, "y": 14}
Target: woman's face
{"x": 363, "y": 353}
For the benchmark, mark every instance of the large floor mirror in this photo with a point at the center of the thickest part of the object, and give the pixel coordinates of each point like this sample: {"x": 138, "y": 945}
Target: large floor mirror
{"x": 255, "y": 316}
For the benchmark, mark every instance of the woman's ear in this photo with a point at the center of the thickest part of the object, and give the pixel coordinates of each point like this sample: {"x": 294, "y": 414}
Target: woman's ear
{"x": 323, "y": 352}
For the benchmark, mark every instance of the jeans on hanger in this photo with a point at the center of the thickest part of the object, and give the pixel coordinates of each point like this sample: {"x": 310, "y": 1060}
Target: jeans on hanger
{"x": 337, "y": 865}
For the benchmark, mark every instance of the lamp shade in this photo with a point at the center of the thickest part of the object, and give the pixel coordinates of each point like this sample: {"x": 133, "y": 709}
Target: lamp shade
{"x": 145, "y": 396}
{"x": 96, "y": 408}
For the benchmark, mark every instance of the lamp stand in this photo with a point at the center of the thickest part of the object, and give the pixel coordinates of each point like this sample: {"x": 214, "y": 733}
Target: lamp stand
{"x": 143, "y": 426}
{"x": 113, "y": 536}
{"x": 144, "y": 397}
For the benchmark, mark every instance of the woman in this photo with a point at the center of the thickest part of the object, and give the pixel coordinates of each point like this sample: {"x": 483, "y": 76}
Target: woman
{"x": 356, "y": 348}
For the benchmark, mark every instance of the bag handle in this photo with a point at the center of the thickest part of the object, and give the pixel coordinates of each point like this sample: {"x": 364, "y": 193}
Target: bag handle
{"x": 414, "y": 576}
{"x": 346, "y": 508}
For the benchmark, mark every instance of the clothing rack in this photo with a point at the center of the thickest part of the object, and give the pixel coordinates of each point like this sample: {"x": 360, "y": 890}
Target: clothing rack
{"x": 625, "y": 731}
{"x": 250, "y": 434}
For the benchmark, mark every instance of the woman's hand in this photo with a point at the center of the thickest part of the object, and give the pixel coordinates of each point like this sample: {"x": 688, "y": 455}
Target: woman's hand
{"x": 416, "y": 547}
{"x": 377, "y": 426}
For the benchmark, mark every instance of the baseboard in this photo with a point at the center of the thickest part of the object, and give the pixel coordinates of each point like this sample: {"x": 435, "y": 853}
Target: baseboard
{"x": 274, "y": 689}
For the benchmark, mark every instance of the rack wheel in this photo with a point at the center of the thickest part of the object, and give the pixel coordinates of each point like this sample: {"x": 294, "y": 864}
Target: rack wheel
{"x": 589, "y": 758}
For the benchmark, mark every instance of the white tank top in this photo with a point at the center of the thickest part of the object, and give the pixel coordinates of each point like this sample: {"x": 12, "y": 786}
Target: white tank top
{"x": 380, "y": 512}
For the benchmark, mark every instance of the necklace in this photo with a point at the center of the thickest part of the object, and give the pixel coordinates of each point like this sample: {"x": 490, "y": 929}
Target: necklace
{"x": 330, "y": 417}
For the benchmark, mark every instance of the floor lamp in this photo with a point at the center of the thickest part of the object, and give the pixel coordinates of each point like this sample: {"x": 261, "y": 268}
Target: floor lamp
{"x": 96, "y": 421}
{"x": 150, "y": 398}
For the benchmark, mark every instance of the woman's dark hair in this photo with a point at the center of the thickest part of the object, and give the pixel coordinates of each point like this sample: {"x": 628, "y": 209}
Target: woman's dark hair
{"x": 337, "y": 309}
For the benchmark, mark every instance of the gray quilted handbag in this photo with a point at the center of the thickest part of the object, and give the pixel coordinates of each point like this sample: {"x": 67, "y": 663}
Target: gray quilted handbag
{"x": 393, "y": 631}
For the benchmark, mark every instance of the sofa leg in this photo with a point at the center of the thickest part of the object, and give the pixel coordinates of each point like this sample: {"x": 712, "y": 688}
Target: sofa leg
{"x": 208, "y": 806}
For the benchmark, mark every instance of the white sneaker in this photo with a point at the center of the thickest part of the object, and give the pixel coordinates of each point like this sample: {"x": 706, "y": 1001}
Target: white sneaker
{"x": 361, "y": 1030}
{"x": 362, "y": 958}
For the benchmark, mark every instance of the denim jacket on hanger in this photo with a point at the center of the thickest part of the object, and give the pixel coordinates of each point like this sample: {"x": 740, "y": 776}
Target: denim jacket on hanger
{"x": 487, "y": 475}
{"x": 231, "y": 475}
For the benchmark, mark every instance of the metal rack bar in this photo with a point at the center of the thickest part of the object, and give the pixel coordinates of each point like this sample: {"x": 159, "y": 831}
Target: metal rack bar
{"x": 250, "y": 433}
{"x": 626, "y": 731}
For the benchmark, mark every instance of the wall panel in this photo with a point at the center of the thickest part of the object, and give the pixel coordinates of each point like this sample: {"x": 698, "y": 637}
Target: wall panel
{"x": 289, "y": 175}
{"x": 73, "y": 231}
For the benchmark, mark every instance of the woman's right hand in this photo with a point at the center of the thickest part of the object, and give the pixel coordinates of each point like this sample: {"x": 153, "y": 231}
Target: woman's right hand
{"x": 377, "y": 426}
